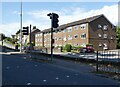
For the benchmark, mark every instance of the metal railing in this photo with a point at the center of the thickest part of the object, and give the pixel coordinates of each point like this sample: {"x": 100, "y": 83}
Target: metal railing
{"x": 108, "y": 61}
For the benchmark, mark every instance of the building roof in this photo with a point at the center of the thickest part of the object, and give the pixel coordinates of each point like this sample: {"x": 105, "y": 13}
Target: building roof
{"x": 86, "y": 20}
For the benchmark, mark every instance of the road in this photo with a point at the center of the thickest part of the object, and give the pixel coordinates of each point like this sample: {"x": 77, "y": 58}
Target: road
{"x": 18, "y": 69}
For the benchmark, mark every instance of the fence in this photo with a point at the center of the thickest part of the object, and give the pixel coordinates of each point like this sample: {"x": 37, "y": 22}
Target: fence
{"x": 108, "y": 61}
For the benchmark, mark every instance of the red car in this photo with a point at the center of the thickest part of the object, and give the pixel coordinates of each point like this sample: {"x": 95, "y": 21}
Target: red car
{"x": 88, "y": 49}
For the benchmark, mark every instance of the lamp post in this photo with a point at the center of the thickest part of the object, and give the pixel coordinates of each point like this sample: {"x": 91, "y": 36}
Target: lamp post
{"x": 21, "y": 28}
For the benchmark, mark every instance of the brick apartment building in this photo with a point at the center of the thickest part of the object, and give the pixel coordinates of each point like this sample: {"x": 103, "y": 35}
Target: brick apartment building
{"x": 33, "y": 32}
{"x": 96, "y": 30}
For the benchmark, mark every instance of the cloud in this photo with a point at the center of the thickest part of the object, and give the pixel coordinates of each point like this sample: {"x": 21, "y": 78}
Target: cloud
{"x": 74, "y": 14}
{"x": 40, "y": 19}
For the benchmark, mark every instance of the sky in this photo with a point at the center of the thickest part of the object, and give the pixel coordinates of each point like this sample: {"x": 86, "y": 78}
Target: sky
{"x": 35, "y": 13}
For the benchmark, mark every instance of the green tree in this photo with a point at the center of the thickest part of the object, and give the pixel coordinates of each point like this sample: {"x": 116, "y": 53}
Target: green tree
{"x": 118, "y": 36}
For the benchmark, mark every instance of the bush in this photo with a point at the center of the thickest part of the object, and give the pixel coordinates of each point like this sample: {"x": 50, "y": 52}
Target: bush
{"x": 68, "y": 47}
{"x": 76, "y": 47}
{"x": 89, "y": 45}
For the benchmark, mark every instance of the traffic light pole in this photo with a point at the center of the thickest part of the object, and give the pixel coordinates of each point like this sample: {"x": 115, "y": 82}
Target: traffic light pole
{"x": 30, "y": 39}
{"x": 51, "y": 40}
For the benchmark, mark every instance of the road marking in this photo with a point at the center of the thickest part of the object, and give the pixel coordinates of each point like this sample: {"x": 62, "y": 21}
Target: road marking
{"x": 28, "y": 83}
{"x": 57, "y": 78}
{"x": 44, "y": 80}
{"x": 67, "y": 76}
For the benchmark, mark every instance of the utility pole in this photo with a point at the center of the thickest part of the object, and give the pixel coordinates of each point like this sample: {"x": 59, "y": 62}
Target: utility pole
{"x": 21, "y": 28}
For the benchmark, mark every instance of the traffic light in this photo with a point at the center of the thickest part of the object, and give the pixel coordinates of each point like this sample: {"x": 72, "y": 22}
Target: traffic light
{"x": 54, "y": 17}
{"x": 55, "y": 20}
{"x": 25, "y": 30}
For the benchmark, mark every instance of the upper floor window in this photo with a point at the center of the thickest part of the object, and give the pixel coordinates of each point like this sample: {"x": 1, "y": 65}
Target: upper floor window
{"x": 64, "y": 38}
{"x": 35, "y": 35}
{"x": 64, "y": 30}
{"x": 105, "y": 27}
{"x": 99, "y": 35}
{"x": 99, "y": 26}
{"x": 76, "y": 27}
{"x": 100, "y": 44}
{"x": 83, "y": 36}
{"x": 59, "y": 38}
{"x": 69, "y": 37}
{"x": 105, "y": 35}
{"x": 83, "y": 26}
{"x": 70, "y": 29}
{"x": 76, "y": 36}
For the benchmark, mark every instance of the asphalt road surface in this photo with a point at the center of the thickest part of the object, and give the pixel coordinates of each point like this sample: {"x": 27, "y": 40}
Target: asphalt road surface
{"x": 20, "y": 70}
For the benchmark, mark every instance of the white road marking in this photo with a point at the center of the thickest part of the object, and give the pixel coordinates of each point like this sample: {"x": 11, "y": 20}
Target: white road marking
{"x": 67, "y": 76}
{"x": 44, "y": 80}
{"x": 28, "y": 83}
{"x": 57, "y": 78}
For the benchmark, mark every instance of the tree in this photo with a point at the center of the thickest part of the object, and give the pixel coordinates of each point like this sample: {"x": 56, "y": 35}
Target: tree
{"x": 118, "y": 36}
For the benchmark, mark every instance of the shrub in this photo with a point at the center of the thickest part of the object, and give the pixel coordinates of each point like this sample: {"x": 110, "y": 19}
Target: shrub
{"x": 76, "y": 47}
{"x": 68, "y": 47}
{"x": 89, "y": 45}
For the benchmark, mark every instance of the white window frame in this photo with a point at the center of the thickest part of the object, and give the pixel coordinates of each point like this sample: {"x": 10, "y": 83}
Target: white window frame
{"x": 64, "y": 30}
{"x": 82, "y": 36}
{"x": 105, "y": 27}
{"x": 83, "y": 26}
{"x": 99, "y": 35}
{"x": 76, "y": 27}
{"x": 99, "y": 26}
{"x": 69, "y": 29}
{"x": 75, "y": 36}
{"x": 100, "y": 44}
{"x": 105, "y": 36}
{"x": 83, "y": 44}
{"x": 69, "y": 37}
{"x": 76, "y": 44}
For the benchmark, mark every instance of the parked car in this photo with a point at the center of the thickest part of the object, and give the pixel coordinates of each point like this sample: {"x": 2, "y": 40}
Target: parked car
{"x": 88, "y": 49}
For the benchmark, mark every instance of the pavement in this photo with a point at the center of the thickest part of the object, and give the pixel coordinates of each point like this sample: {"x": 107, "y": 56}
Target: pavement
{"x": 19, "y": 69}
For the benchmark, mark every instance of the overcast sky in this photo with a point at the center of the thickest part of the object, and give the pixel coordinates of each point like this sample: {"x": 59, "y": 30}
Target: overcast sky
{"x": 35, "y": 13}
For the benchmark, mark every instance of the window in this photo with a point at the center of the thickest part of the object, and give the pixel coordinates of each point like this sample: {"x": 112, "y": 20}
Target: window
{"x": 64, "y": 30}
{"x": 83, "y": 26}
{"x": 69, "y": 37}
{"x": 36, "y": 35}
{"x": 99, "y": 35}
{"x": 105, "y": 27}
{"x": 70, "y": 29}
{"x": 83, "y": 36}
{"x": 100, "y": 44}
{"x": 59, "y": 38}
{"x": 76, "y": 44}
{"x": 99, "y": 26}
{"x": 76, "y": 27}
{"x": 105, "y": 35}
{"x": 64, "y": 38}
{"x": 111, "y": 37}
{"x": 83, "y": 44}
{"x": 76, "y": 36}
